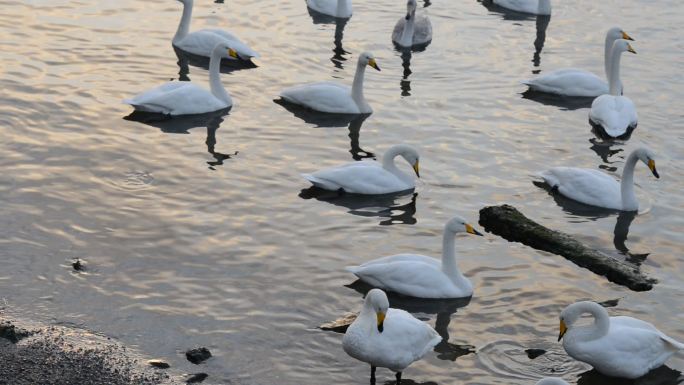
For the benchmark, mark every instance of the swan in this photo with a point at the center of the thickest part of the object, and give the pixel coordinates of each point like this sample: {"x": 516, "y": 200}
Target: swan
{"x": 552, "y": 381}
{"x": 386, "y": 337}
{"x": 202, "y": 42}
{"x": 333, "y": 97}
{"x": 183, "y": 98}
{"x": 413, "y": 29}
{"x": 596, "y": 188}
{"x": 370, "y": 177}
{"x": 335, "y": 8}
{"x": 576, "y": 82}
{"x": 622, "y": 347}
{"x": 535, "y": 7}
{"x": 420, "y": 276}
{"x": 613, "y": 112}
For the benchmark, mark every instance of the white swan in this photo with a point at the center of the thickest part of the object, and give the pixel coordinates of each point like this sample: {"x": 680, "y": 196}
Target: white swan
{"x": 420, "y": 276}
{"x": 576, "y": 82}
{"x": 388, "y": 338}
{"x": 535, "y": 7}
{"x": 596, "y": 188}
{"x": 202, "y": 42}
{"x": 412, "y": 30}
{"x": 370, "y": 177}
{"x": 334, "y": 97}
{"x": 183, "y": 98}
{"x": 336, "y": 8}
{"x": 613, "y": 112}
{"x": 622, "y": 347}
{"x": 552, "y": 381}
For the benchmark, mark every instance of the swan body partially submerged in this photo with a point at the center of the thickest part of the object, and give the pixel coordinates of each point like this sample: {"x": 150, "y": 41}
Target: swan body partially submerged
{"x": 335, "y": 8}
{"x": 414, "y": 29}
{"x": 534, "y": 7}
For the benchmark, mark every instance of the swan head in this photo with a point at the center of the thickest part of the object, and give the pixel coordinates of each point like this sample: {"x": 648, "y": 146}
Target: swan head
{"x": 368, "y": 59}
{"x": 376, "y": 300}
{"x": 571, "y": 314}
{"x": 224, "y": 47}
{"x": 410, "y": 8}
{"x": 409, "y": 153}
{"x": 551, "y": 381}
{"x": 622, "y": 45}
{"x": 648, "y": 157}
{"x": 459, "y": 225}
{"x": 618, "y": 33}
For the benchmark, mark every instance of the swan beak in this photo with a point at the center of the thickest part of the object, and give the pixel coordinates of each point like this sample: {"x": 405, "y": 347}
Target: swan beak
{"x": 372, "y": 63}
{"x": 408, "y": 16}
{"x": 232, "y": 53}
{"x": 563, "y": 330}
{"x": 471, "y": 230}
{"x": 651, "y": 165}
{"x": 626, "y": 36}
{"x": 630, "y": 49}
{"x": 381, "y": 321}
{"x": 416, "y": 168}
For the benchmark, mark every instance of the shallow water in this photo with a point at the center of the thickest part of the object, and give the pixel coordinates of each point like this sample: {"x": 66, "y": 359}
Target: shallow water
{"x": 197, "y": 231}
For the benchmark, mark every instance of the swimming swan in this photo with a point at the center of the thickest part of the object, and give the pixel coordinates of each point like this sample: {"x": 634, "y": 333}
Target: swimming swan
{"x": 412, "y": 30}
{"x": 370, "y": 177}
{"x": 420, "y": 276}
{"x": 335, "y": 8}
{"x": 615, "y": 113}
{"x": 535, "y": 7}
{"x": 622, "y": 347}
{"x": 596, "y": 188}
{"x": 202, "y": 42}
{"x": 386, "y": 337}
{"x": 576, "y": 82}
{"x": 183, "y": 98}
{"x": 334, "y": 97}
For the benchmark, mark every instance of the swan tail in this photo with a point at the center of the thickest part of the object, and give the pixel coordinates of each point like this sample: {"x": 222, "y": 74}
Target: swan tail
{"x": 353, "y": 269}
{"x": 676, "y": 345}
{"x": 321, "y": 183}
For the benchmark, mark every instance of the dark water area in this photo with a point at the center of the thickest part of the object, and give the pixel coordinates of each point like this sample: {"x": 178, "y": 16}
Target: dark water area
{"x": 200, "y": 230}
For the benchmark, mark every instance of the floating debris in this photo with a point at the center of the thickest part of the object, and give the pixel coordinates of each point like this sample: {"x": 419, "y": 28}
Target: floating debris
{"x": 157, "y": 363}
{"x": 341, "y": 324}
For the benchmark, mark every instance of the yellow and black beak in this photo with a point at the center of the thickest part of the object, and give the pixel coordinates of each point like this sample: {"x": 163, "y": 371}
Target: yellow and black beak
{"x": 630, "y": 49}
{"x": 563, "y": 330}
{"x": 232, "y": 53}
{"x": 471, "y": 230}
{"x": 651, "y": 165}
{"x": 416, "y": 168}
{"x": 626, "y": 36}
{"x": 373, "y": 63}
{"x": 381, "y": 321}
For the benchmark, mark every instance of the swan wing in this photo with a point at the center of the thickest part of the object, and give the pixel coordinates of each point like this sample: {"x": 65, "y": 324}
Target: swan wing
{"x": 202, "y": 42}
{"x": 358, "y": 178}
{"x": 422, "y": 32}
{"x": 398, "y": 30}
{"x": 614, "y": 113}
{"x": 635, "y": 323}
{"x": 569, "y": 82}
{"x": 176, "y": 98}
{"x": 587, "y": 186}
{"x": 402, "y": 258}
{"x": 323, "y": 96}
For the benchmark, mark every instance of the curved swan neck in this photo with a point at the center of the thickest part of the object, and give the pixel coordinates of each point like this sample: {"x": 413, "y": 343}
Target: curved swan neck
{"x": 357, "y": 86}
{"x": 409, "y": 29}
{"x": 184, "y": 25}
{"x": 629, "y": 200}
{"x": 614, "y": 76}
{"x": 217, "y": 88}
{"x": 607, "y": 57}
{"x": 449, "y": 266}
{"x": 601, "y": 323}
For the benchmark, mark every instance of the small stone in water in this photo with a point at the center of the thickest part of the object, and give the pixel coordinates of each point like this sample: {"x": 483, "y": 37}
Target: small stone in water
{"x": 157, "y": 363}
{"x": 534, "y": 353}
{"x": 198, "y": 355}
{"x": 78, "y": 265}
{"x": 196, "y": 378}
{"x": 610, "y": 303}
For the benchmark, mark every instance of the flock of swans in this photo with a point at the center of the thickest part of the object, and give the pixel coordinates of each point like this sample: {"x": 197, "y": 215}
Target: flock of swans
{"x": 391, "y": 338}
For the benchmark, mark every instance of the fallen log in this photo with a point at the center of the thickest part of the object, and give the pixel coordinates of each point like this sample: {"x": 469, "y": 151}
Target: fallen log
{"x": 509, "y": 223}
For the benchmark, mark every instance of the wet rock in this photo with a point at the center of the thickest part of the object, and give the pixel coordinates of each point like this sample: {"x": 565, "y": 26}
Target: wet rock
{"x": 534, "y": 353}
{"x": 512, "y": 225}
{"x": 157, "y": 363}
{"x": 11, "y": 333}
{"x": 198, "y": 355}
{"x": 78, "y": 265}
{"x": 196, "y": 378}
{"x": 609, "y": 303}
{"x": 341, "y": 324}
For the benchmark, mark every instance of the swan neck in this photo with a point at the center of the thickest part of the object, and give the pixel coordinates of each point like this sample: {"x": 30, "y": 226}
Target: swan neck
{"x": 449, "y": 266}
{"x": 614, "y": 76}
{"x": 601, "y": 323}
{"x": 184, "y": 25}
{"x": 627, "y": 183}
{"x": 409, "y": 29}
{"x": 607, "y": 57}
{"x": 217, "y": 88}
{"x": 357, "y": 86}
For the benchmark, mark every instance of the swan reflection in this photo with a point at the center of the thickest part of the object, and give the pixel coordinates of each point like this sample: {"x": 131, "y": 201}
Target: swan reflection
{"x": 660, "y": 376}
{"x": 185, "y": 60}
{"x": 339, "y": 52}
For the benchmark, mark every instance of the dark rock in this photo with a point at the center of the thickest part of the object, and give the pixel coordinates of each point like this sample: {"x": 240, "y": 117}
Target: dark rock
{"x": 534, "y": 353}
{"x": 198, "y": 355}
{"x": 609, "y": 303}
{"x": 157, "y": 363}
{"x": 78, "y": 265}
{"x": 196, "y": 378}
{"x": 12, "y": 333}
{"x": 512, "y": 225}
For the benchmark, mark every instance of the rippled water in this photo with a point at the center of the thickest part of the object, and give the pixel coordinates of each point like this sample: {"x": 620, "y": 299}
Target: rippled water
{"x": 197, "y": 231}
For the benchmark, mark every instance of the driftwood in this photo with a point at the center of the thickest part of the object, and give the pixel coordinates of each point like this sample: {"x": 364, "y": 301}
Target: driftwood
{"x": 509, "y": 223}
{"x": 341, "y": 324}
